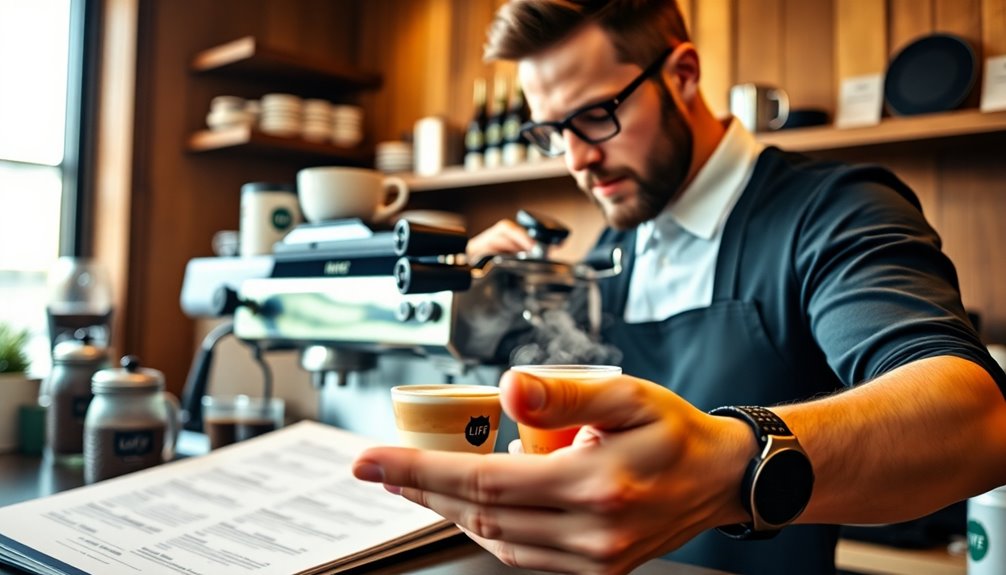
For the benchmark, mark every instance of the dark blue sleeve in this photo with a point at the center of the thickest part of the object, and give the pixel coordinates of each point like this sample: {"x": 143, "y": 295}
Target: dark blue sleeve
{"x": 876, "y": 287}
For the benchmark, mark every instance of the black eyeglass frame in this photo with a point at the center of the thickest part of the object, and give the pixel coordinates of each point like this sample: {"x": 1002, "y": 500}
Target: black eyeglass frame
{"x": 609, "y": 106}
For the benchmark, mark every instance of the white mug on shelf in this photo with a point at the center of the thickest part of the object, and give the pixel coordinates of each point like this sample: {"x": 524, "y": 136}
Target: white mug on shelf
{"x": 332, "y": 193}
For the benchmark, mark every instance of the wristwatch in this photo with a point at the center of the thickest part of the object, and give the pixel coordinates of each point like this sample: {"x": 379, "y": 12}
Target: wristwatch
{"x": 778, "y": 481}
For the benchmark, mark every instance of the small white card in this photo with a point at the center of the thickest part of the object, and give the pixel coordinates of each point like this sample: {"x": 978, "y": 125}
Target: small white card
{"x": 860, "y": 101}
{"x": 994, "y": 84}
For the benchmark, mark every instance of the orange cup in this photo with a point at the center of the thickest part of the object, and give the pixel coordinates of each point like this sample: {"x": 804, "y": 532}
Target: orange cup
{"x": 538, "y": 440}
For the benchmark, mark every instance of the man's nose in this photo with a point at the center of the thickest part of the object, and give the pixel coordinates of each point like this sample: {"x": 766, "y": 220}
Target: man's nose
{"x": 580, "y": 154}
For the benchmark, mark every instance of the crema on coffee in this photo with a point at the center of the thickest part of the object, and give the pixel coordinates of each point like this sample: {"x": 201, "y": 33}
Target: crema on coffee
{"x": 447, "y": 417}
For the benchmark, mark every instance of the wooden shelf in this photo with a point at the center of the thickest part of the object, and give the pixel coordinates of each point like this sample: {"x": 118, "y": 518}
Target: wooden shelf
{"x": 863, "y": 557}
{"x": 915, "y": 129}
{"x": 458, "y": 177}
{"x": 247, "y": 58}
{"x": 893, "y": 131}
{"x": 245, "y": 139}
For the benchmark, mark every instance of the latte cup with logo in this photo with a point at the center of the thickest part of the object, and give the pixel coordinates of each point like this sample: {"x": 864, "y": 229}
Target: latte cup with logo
{"x": 537, "y": 440}
{"x": 447, "y": 417}
{"x": 336, "y": 192}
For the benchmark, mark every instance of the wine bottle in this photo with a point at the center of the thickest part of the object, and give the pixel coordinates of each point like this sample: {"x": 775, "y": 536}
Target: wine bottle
{"x": 494, "y": 129}
{"x": 514, "y": 145}
{"x": 475, "y": 133}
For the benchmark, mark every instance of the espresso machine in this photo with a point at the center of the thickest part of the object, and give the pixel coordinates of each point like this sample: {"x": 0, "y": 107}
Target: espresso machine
{"x": 403, "y": 304}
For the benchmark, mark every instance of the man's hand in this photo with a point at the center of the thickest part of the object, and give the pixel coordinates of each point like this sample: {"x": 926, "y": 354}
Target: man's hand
{"x": 648, "y": 473}
{"x": 504, "y": 237}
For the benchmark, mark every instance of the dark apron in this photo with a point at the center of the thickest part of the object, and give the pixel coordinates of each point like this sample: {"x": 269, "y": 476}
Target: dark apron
{"x": 719, "y": 355}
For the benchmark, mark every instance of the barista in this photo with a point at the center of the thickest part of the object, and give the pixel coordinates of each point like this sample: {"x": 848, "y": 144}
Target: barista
{"x": 815, "y": 292}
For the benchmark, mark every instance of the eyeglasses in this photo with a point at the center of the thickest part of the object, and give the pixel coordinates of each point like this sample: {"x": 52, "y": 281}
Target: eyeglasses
{"x": 594, "y": 123}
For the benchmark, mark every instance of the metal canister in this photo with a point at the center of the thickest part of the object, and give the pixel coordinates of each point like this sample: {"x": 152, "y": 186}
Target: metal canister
{"x": 987, "y": 533}
{"x": 74, "y": 362}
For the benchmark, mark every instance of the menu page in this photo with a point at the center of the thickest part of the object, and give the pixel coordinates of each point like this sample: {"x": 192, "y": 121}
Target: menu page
{"x": 285, "y": 502}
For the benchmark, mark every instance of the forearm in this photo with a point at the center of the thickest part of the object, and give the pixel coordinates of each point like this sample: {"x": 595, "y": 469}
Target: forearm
{"x": 917, "y": 439}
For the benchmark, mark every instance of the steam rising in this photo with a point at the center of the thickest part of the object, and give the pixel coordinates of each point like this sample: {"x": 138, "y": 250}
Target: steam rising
{"x": 555, "y": 338}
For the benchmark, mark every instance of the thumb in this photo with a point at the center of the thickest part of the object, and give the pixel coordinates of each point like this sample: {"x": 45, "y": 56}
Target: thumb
{"x": 621, "y": 402}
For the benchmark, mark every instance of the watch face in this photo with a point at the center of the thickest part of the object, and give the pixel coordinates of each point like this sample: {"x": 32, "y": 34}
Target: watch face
{"x": 783, "y": 486}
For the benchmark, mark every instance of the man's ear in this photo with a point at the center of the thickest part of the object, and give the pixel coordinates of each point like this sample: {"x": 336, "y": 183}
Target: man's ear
{"x": 683, "y": 71}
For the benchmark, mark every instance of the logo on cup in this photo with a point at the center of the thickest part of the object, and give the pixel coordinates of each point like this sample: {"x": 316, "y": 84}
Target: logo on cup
{"x": 978, "y": 540}
{"x": 477, "y": 430}
{"x": 281, "y": 219}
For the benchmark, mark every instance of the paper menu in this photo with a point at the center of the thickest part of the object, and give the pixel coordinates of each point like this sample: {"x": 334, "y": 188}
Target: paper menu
{"x": 282, "y": 503}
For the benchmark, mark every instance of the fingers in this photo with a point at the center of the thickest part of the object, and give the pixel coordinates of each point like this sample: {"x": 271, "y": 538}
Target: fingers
{"x": 494, "y": 479}
{"x": 622, "y": 402}
{"x": 536, "y": 557}
{"x": 504, "y": 237}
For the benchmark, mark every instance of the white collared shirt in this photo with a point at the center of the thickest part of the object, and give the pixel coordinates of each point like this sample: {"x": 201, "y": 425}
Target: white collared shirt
{"x": 676, "y": 251}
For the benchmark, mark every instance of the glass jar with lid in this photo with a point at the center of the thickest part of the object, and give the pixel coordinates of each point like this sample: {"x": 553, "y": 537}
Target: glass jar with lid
{"x": 66, "y": 394}
{"x": 131, "y": 424}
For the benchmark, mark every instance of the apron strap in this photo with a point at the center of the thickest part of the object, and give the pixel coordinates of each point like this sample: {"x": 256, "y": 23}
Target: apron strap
{"x": 728, "y": 260}
{"x": 615, "y": 290}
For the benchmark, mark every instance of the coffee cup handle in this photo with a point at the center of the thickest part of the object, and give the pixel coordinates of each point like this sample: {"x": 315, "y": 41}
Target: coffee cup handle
{"x": 398, "y": 203}
{"x": 174, "y": 425}
{"x": 782, "y": 107}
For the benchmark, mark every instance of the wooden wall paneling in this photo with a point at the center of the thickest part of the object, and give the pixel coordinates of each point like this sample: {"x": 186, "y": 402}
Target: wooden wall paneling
{"x": 329, "y": 28}
{"x": 113, "y": 172}
{"x": 468, "y": 36}
{"x": 808, "y": 54}
{"x": 435, "y": 89}
{"x": 406, "y": 43}
{"x": 759, "y": 47}
{"x": 973, "y": 205}
{"x": 908, "y": 19}
{"x": 964, "y": 18}
{"x": 687, "y": 8}
{"x": 283, "y": 25}
{"x": 993, "y": 27}
{"x": 713, "y": 34}
{"x": 860, "y": 38}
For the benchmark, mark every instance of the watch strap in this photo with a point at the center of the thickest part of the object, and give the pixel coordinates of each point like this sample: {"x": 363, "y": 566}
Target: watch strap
{"x": 762, "y": 421}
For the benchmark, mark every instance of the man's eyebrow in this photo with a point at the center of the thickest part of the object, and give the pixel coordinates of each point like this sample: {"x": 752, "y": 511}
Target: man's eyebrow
{"x": 581, "y": 107}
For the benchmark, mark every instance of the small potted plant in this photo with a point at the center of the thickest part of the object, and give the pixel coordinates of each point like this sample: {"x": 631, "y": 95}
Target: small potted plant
{"x": 17, "y": 388}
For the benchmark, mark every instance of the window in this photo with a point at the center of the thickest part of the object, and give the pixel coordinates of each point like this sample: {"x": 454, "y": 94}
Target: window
{"x": 41, "y": 54}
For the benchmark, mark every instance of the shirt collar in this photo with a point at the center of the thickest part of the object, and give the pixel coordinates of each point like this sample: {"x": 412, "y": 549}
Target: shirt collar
{"x": 704, "y": 205}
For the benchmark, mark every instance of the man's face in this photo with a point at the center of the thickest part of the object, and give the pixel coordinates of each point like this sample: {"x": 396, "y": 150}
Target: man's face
{"x": 632, "y": 176}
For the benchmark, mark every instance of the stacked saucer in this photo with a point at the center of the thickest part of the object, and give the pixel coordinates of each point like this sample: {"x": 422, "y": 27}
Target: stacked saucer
{"x": 317, "y": 124}
{"x": 281, "y": 115}
{"x": 393, "y": 156}
{"x": 347, "y": 125}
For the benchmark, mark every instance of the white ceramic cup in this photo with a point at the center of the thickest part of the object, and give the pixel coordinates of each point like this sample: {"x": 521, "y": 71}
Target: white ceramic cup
{"x": 331, "y": 193}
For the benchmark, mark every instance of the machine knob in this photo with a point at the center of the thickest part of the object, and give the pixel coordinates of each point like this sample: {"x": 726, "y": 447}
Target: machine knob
{"x": 226, "y": 301}
{"x": 405, "y": 311}
{"x": 428, "y": 312}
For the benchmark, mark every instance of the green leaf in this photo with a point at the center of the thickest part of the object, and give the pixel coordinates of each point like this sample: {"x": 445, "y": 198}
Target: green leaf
{"x": 13, "y": 352}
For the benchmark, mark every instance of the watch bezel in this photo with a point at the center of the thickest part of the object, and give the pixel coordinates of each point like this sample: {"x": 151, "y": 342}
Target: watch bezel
{"x": 774, "y": 440}
{"x": 777, "y": 448}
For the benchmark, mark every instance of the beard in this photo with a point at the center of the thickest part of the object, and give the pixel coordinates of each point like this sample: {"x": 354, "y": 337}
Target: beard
{"x": 666, "y": 168}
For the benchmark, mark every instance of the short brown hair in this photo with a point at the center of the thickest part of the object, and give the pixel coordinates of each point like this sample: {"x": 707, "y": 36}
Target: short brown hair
{"x": 639, "y": 29}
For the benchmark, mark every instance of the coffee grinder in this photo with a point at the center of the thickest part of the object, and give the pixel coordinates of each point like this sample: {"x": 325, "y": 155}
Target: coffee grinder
{"x": 80, "y": 302}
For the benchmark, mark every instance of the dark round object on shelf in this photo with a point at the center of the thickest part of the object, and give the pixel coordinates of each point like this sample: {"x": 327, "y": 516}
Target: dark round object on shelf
{"x": 805, "y": 117}
{"x": 932, "y": 74}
